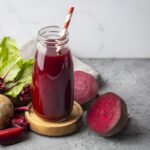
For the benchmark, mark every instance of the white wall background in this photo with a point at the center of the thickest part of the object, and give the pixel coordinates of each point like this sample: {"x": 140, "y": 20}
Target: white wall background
{"x": 99, "y": 28}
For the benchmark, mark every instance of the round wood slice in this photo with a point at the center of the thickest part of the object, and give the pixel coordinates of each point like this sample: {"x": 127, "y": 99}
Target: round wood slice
{"x": 48, "y": 128}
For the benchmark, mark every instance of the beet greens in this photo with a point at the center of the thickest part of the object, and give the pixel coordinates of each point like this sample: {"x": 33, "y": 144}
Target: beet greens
{"x": 15, "y": 73}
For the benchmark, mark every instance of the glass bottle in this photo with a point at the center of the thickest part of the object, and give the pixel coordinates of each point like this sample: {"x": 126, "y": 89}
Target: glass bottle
{"x": 53, "y": 91}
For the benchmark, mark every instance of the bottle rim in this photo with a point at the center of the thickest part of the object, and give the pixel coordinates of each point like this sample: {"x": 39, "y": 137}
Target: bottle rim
{"x": 51, "y": 36}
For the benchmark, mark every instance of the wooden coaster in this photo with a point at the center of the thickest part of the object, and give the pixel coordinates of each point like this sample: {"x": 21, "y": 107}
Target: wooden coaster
{"x": 47, "y": 128}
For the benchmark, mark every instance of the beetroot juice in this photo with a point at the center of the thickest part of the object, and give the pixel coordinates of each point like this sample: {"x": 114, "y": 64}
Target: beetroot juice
{"x": 52, "y": 76}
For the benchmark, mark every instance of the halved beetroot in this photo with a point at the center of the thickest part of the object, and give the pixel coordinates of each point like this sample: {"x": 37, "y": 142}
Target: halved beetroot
{"x": 85, "y": 87}
{"x": 108, "y": 115}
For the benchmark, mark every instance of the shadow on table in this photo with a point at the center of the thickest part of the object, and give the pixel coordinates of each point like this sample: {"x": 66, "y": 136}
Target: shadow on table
{"x": 132, "y": 132}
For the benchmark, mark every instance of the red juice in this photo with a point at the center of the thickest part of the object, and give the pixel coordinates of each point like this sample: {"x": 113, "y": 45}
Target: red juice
{"x": 53, "y": 83}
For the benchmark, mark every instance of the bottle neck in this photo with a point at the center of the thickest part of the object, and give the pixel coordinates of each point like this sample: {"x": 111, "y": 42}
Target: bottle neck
{"x": 50, "y": 37}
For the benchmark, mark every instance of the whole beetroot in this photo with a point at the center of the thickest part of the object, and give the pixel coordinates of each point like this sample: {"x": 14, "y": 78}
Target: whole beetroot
{"x": 85, "y": 87}
{"x": 6, "y": 111}
{"x": 108, "y": 115}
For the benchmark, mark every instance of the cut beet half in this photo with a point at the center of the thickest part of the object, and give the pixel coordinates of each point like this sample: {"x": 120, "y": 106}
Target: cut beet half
{"x": 85, "y": 87}
{"x": 108, "y": 115}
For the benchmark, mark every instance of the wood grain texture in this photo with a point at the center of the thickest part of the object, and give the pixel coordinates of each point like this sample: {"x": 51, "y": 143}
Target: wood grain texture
{"x": 44, "y": 127}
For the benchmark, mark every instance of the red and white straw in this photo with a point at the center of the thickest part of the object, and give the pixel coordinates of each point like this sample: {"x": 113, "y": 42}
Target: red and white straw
{"x": 66, "y": 24}
{"x": 67, "y": 20}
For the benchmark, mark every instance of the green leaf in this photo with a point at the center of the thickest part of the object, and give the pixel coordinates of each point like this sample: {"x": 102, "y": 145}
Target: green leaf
{"x": 8, "y": 41}
{"x": 15, "y": 72}
{"x": 10, "y": 44}
{"x": 26, "y": 72}
{"x": 10, "y": 69}
{"x": 10, "y": 61}
{"x": 14, "y": 92}
{"x": 8, "y": 49}
{"x": 3, "y": 55}
{"x": 24, "y": 77}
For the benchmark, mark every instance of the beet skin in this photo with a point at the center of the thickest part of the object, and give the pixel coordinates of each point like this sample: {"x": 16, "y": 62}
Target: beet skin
{"x": 85, "y": 87}
{"x": 6, "y": 111}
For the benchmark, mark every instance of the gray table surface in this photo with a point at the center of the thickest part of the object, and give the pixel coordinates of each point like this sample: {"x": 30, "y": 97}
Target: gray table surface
{"x": 130, "y": 78}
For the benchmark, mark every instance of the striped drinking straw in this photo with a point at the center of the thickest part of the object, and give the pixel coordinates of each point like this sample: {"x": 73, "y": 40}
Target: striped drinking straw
{"x": 67, "y": 22}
